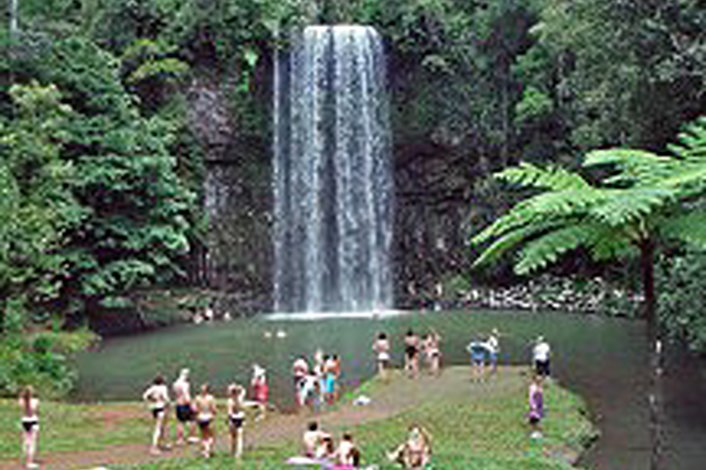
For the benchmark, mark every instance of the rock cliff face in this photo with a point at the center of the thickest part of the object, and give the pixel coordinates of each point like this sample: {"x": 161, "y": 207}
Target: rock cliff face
{"x": 432, "y": 190}
{"x": 237, "y": 199}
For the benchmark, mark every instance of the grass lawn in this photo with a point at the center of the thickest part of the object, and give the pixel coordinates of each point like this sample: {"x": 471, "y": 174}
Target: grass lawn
{"x": 473, "y": 425}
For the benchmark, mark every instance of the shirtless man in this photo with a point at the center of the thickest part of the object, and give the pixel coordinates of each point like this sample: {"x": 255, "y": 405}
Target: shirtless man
{"x": 236, "y": 418}
{"x": 205, "y": 405}
{"x": 184, "y": 411}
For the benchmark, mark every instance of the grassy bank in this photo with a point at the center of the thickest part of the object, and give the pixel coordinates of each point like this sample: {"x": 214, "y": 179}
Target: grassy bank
{"x": 474, "y": 426}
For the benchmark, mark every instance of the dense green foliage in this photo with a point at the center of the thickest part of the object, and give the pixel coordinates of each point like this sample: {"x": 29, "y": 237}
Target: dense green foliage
{"x": 646, "y": 199}
{"x": 682, "y": 296}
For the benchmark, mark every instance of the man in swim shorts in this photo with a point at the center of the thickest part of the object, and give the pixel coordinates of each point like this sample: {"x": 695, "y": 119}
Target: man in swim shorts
{"x": 184, "y": 411}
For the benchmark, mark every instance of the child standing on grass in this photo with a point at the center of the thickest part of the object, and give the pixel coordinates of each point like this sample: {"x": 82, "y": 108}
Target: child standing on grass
{"x": 157, "y": 396}
{"x": 536, "y": 407}
{"x": 29, "y": 404}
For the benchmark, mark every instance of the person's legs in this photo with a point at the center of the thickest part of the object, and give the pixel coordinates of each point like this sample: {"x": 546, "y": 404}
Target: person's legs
{"x": 239, "y": 443}
{"x": 157, "y": 432}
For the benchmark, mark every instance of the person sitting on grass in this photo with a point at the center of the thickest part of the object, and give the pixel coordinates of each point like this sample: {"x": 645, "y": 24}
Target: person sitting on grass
{"x": 236, "y": 418}
{"x": 312, "y": 439}
{"x": 415, "y": 452}
{"x": 536, "y": 407}
{"x": 381, "y": 347}
{"x": 347, "y": 455}
{"x": 205, "y": 405}
{"x": 29, "y": 404}
{"x": 157, "y": 396}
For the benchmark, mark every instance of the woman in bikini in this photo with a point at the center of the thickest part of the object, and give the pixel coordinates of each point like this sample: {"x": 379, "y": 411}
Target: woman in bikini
{"x": 157, "y": 396}
{"x": 236, "y": 418}
{"x": 433, "y": 352}
{"x": 411, "y": 353}
{"x": 381, "y": 347}
{"x": 205, "y": 405}
{"x": 416, "y": 451}
{"x": 29, "y": 404}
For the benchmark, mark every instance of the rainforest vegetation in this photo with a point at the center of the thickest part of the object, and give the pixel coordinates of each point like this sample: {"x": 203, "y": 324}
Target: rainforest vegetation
{"x": 104, "y": 152}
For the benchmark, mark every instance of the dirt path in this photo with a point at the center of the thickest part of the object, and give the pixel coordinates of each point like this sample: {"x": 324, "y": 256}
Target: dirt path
{"x": 388, "y": 400}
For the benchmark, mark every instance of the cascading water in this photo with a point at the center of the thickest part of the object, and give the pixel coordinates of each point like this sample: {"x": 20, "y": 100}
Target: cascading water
{"x": 332, "y": 173}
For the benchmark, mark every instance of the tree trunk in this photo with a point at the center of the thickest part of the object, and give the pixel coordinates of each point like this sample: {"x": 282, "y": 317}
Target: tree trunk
{"x": 655, "y": 396}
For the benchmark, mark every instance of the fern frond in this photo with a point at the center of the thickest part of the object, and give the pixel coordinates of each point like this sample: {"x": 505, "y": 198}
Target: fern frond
{"x": 511, "y": 239}
{"x": 546, "y": 249}
{"x": 633, "y": 166}
{"x": 691, "y": 144}
{"x": 626, "y": 206}
{"x": 553, "y": 178}
{"x": 689, "y": 228}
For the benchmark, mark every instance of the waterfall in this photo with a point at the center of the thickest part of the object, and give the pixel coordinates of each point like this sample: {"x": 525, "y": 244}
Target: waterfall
{"x": 333, "y": 184}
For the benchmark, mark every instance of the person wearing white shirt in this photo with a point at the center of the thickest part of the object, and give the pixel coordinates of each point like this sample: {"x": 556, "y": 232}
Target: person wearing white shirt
{"x": 540, "y": 355}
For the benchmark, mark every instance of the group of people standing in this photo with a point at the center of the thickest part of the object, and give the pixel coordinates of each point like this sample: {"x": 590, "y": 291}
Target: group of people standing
{"x": 427, "y": 347}
{"x": 200, "y": 411}
{"x": 319, "y": 384}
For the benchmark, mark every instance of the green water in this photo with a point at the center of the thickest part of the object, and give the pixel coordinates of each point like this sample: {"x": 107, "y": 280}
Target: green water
{"x": 603, "y": 359}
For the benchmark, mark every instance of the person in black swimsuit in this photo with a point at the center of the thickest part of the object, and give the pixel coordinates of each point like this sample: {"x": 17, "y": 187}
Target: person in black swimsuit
{"x": 236, "y": 418}
{"x": 411, "y": 353}
{"x": 30, "y": 425}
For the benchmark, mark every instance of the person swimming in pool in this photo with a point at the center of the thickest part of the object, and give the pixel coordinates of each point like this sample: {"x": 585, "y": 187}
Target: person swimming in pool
{"x": 157, "y": 397}
{"x": 205, "y": 407}
{"x": 236, "y": 418}
{"x": 29, "y": 404}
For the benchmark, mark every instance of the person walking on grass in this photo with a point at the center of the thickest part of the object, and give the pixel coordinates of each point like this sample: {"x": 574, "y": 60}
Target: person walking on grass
{"x": 205, "y": 407}
{"x": 29, "y": 404}
{"x": 157, "y": 396}
{"x": 411, "y": 353}
{"x": 381, "y": 348}
{"x": 536, "y": 407}
{"x": 541, "y": 353}
{"x": 236, "y": 418}
{"x": 184, "y": 412}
